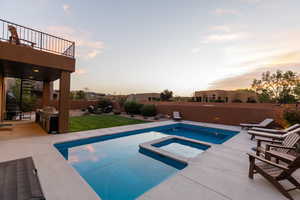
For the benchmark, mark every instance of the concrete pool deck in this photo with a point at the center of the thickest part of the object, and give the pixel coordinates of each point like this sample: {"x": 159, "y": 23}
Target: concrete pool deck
{"x": 221, "y": 172}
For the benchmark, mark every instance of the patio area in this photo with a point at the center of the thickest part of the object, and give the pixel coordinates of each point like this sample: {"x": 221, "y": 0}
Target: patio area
{"x": 221, "y": 173}
{"x": 21, "y": 129}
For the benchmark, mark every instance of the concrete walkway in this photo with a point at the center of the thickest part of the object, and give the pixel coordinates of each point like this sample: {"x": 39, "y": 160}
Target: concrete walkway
{"x": 219, "y": 173}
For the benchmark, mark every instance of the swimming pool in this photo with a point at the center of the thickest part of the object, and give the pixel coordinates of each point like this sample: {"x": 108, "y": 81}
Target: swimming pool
{"x": 116, "y": 168}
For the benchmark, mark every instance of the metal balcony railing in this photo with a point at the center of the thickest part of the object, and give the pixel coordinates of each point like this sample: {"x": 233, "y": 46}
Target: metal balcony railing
{"x": 35, "y": 39}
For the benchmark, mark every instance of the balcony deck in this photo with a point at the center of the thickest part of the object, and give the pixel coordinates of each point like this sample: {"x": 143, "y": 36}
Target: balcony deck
{"x": 19, "y": 61}
{"x": 32, "y": 50}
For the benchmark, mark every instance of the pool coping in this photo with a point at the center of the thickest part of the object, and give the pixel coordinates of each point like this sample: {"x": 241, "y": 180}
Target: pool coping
{"x": 185, "y": 160}
{"x": 112, "y": 131}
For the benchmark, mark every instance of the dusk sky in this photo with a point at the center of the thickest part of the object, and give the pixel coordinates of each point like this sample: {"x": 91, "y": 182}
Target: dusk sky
{"x": 134, "y": 46}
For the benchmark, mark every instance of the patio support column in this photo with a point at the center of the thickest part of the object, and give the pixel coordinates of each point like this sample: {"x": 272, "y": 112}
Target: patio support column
{"x": 64, "y": 102}
{"x": 2, "y": 97}
{"x": 46, "y": 93}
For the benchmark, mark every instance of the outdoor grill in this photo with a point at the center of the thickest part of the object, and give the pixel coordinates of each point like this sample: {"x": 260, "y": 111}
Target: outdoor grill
{"x": 48, "y": 119}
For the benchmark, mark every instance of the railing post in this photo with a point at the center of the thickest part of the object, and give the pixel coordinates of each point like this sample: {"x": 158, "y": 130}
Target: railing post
{"x": 73, "y": 49}
{"x": 41, "y": 42}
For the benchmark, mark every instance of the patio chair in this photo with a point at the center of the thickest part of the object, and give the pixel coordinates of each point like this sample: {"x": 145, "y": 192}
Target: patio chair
{"x": 19, "y": 180}
{"x": 176, "y": 116}
{"x": 276, "y": 131}
{"x": 275, "y": 172}
{"x": 272, "y": 136}
{"x": 262, "y": 124}
{"x": 284, "y": 146}
{"x": 14, "y": 38}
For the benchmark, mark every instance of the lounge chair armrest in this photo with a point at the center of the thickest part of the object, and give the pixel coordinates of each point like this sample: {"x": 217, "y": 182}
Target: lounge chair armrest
{"x": 280, "y": 156}
{"x": 264, "y": 134}
{"x": 266, "y": 130}
{"x": 267, "y": 161}
{"x": 269, "y": 141}
{"x": 268, "y": 146}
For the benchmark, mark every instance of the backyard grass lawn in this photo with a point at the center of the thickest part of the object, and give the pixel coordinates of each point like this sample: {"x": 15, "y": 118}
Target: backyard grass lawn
{"x": 90, "y": 122}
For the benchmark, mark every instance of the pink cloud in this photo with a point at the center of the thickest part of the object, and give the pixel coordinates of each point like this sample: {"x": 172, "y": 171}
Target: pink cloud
{"x": 80, "y": 71}
{"x": 221, "y": 11}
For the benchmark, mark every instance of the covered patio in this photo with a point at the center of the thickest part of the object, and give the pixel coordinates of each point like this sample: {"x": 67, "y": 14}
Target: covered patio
{"x": 29, "y": 54}
{"x": 22, "y": 129}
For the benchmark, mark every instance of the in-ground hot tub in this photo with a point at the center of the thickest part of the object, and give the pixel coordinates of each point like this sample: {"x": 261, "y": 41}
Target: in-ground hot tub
{"x": 178, "y": 148}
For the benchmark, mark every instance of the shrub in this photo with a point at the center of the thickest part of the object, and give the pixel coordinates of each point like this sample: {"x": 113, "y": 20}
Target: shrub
{"x": 166, "y": 95}
{"x": 218, "y": 101}
{"x": 251, "y": 100}
{"x": 292, "y": 116}
{"x": 148, "y": 110}
{"x": 132, "y": 107}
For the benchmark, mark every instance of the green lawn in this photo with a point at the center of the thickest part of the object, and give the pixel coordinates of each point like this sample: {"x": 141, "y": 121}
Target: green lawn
{"x": 90, "y": 122}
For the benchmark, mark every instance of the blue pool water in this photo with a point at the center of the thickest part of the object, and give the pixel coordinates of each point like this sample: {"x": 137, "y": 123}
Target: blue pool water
{"x": 117, "y": 169}
{"x": 182, "y": 147}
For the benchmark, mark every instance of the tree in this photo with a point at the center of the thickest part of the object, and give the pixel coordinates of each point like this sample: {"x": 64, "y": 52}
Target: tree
{"x": 72, "y": 95}
{"x": 264, "y": 97}
{"x": 80, "y": 94}
{"x": 297, "y": 91}
{"x": 28, "y": 100}
{"x": 16, "y": 89}
{"x": 166, "y": 95}
{"x": 278, "y": 86}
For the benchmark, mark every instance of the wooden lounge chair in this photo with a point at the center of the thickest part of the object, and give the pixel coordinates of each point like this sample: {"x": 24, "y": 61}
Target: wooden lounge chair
{"x": 176, "y": 116}
{"x": 271, "y": 135}
{"x": 14, "y": 38}
{"x": 275, "y": 172}
{"x": 19, "y": 180}
{"x": 284, "y": 146}
{"x": 276, "y": 131}
{"x": 267, "y": 122}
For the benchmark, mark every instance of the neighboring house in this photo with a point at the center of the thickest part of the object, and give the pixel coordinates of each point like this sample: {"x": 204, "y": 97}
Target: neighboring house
{"x": 226, "y": 96}
{"x": 93, "y": 95}
{"x": 143, "y": 97}
{"x": 115, "y": 97}
{"x": 87, "y": 95}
